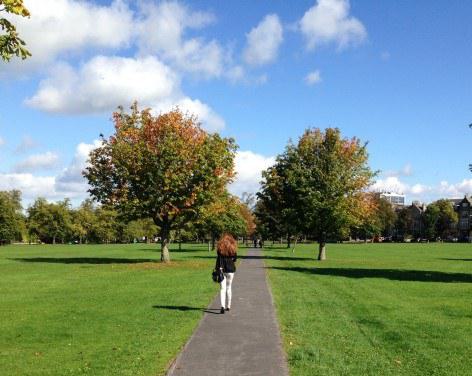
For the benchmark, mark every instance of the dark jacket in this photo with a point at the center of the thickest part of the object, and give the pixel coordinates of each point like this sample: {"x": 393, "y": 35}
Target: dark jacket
{"x": 227, "y": 263}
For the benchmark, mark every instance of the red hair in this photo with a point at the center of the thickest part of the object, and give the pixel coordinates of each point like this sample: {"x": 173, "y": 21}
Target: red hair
{"x": 227, "y": 245}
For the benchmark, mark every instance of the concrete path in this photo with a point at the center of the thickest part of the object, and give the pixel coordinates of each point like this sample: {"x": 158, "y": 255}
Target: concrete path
{"x": 243, "y": 341}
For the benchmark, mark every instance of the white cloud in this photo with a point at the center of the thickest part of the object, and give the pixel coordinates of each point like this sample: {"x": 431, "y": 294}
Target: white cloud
{"x": 37, "y": 162}
{"x": 61, "y": 26}
{"x": 313, "y": 78}
{"x": 162, "y": 30}
{"x": 2, "y": 141}
{"x": 390, "y": 184}
{"x": 211, "y": 121}
{"x": 249, "y": 167}
{"x": 263, "y": 41}
{"x": 407, "y": 170}
{"x": 30, "y": 186}
{"x": 68, "y": 183}
{"x": 456, "y": 190}
{"x": 424, "y": 192}
{"x": 27, "y": 144}
{"x": 103, "y": 83}
{"x": 236, "y": 74}
{"x": 71, "y": 180}
{"x": 329, "y": 22}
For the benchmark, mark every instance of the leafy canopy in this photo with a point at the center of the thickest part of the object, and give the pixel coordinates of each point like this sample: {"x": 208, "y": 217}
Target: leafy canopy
{"x": 10, "y": 43}
{"x": 163, "y": 167}
{"x": 317, "y": 186}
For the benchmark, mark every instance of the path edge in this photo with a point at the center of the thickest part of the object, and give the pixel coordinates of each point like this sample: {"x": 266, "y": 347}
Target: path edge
{"x": 173, "y": 363}
{"x": 277, "y": 324}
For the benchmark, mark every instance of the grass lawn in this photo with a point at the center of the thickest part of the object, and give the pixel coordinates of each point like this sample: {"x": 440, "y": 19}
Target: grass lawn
{"x": 99, "y": 309}
{"x": 375, "y": 309}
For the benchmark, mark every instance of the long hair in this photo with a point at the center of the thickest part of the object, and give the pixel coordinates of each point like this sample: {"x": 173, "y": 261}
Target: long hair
{"x": 227, "y": 245}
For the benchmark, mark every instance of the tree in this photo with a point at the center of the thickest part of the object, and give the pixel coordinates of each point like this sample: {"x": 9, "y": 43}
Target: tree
{"x": 10, "y": 43}
{"x": 326, "y": 180}
{"x": 278, "y": 208}
{"x": 161, "y": 167}
{"x": 440, "y": 219}
{"x": 248, "y": 217}
{"x": 386, "y": 216}
{"x": 11, "y": 219}
{"x": 50, "y": 221}
{"x": 84, "y": 221}
{"x": 140, "y": 228}
{"x": 368, "y": 222}
{"x": 404, "y": 222}
{"x": 106, "y": 228}
{"x": 222, "y": 215}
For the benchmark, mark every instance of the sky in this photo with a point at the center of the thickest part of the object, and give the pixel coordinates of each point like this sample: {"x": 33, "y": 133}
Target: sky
{"x": 395, "y": 74}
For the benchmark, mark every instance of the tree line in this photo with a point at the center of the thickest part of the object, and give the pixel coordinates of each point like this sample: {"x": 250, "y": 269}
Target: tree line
{"x": 58, "y": 222}
{"x": 164, "y": 177}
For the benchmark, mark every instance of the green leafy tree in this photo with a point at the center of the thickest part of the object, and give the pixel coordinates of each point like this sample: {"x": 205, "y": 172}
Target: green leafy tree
{"x": 10, "y": 43}
{"x": 11, "y": 219}
{"x": 161, "y": 167}
{"x": 222, "y": 215}
{"x": 84, "y": 221}
{"x": 440, "y": 219}
{"x": 327, "y": 177}
{"x": 278, "y": 209}
{"x": 106, "y": 229}
{"x": 404, "y": 222}
{"x": 50, "y": 222}
{"x": 386, "y": 216}
{"x": 140, "y": 228}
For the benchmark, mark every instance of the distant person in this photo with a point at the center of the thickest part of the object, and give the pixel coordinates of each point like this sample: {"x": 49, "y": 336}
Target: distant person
{"x": 226, "y": 249}
{"x": 255, "y": 242}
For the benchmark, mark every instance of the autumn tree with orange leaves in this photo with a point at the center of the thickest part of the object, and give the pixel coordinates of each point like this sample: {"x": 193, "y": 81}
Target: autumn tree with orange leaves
{"x": 163, "y": 167}
{"x": 322, "y": 181}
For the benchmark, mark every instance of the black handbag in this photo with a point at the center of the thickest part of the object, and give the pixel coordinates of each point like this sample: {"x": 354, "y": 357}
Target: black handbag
{"x": 217, "y": 275}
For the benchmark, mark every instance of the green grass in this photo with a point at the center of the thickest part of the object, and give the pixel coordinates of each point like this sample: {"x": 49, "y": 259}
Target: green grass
{"x": 375, "y": 309}
{"x": 98, "y": 309}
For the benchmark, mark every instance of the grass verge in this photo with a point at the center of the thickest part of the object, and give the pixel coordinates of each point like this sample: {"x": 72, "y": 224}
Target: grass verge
{"x": 99, "y": 309}
{"x": 375, "y": 309}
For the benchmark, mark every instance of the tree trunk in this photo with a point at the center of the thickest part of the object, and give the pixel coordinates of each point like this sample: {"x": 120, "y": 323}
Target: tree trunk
{"x": 213, "y": 242}
{"x": 54, "y": 239}
{"x": 209, "y": 246}
{"x": 288, "y": 241}
{"x": 296, "y": 240}
{"x": 165, "y": 256}
{"x": 322, "y": 251}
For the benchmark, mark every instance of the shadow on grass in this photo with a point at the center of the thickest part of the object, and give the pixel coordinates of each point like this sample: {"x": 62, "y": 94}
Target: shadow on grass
{"x": 278, "y": 258}
{"x": 457, "y": 259}
{"x": 392, "y": 274}
{"x": 84, "y": 260}
{"x": 183, "y": 250}
{"x": 187, "y": 308}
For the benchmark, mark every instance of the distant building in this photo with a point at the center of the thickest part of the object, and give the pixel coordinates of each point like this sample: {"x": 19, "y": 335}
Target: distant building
{"x": 463, "y": 207}
{"x": 416, "y": 227}
{"x": 395, "y": 199}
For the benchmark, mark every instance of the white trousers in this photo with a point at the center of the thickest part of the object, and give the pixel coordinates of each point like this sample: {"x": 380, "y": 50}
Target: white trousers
{"x": 225, "y": 291}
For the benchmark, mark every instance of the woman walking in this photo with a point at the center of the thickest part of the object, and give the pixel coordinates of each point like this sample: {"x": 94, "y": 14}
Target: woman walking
{"x": 226, "y": 249}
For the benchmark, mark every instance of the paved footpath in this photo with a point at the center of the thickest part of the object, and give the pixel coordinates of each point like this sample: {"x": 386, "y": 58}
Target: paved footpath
{"x": 243, "y": 341}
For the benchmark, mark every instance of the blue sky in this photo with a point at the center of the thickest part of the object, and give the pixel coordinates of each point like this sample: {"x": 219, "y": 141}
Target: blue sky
{"x": 395, "y": 74}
